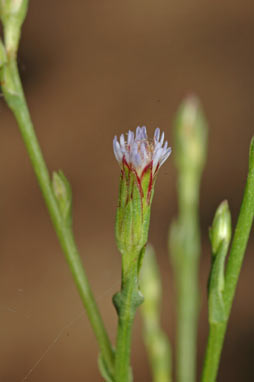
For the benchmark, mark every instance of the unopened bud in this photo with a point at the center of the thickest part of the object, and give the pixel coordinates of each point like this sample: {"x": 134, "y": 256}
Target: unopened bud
{"x": 12, "y": 13}
{"x": 190, "y": 135}
{"x": 221, "y": 227}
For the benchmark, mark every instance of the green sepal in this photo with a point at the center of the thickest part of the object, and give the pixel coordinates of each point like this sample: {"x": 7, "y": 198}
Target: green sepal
{"x": 104, "y": 370}
{"x": 62, "y": 191}
{"x": 141, "y": 258}
{"x": 133, "y": 212}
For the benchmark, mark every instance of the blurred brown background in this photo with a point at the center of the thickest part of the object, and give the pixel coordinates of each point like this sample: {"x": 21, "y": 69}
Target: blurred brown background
{"x": 93, "y": 69}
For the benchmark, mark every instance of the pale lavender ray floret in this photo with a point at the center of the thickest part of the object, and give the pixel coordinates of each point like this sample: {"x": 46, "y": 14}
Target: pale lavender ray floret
{"x": 122, "y": 141}
{"x": 162, "y": 138}
{"x": 157, "y": 134}
{"x": 139, "y": 152}
{"x": 135, "y": 157}
{"x": 131, "y": 137}
{"x": 141, "y": 133}
{"x": 117, "y": 150}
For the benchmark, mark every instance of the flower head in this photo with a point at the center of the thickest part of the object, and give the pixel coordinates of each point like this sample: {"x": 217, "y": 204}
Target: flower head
{"x": 139, "y": 159}
{"x": 138, "y": 153}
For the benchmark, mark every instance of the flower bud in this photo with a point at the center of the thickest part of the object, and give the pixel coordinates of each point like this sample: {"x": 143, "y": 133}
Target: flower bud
{"x": 12, "y": 13}
{"x": 220, "y": 234}
{"x": 221, "y": 227}
{"x": 62, "y": 191}
{"x": 139, "y": 160}
{"x": 190, "y": 135}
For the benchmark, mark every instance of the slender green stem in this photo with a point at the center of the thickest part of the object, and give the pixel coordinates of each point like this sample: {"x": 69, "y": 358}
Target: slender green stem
{"x": 217, "y": 330}
{"x": 213, "y": 351}
{"x": 123, "y": 344}
{"x": 126, "y": 303}
{"x": 241, "y": 235}
{"x": 15, "y": 98}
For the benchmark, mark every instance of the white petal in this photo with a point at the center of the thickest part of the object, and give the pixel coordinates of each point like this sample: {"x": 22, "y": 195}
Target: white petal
{"x": 157, "y": 134}
{"x": 162, "y": 138}
{"x": 117, "y": 150}
{"x": 143, "y": 133}
{"x": 138, "y": 133}
{"x": 156, "y": 157}
{"x": 127, "y": 157}
{"x": 135, "y": 158}
{"x": 143, "y": 152}
{"x": 157, "y": 146}
{"x": 165, "y": 156}
{"x": 130, "y": 139}
{"x": 122, "y": 141}
{"x": 133, "y": 150}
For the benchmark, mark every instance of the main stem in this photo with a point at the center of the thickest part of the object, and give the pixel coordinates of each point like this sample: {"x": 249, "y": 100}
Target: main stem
{"x": 213, "y": 351}
{"x": 126, "y": 303}
{"x": 17, "y": 103}
{"x": 123, "y": 344}
{"x": 245, "y": 220}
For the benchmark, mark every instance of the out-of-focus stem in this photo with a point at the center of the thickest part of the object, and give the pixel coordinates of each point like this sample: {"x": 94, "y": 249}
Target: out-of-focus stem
{"x": 185, "y": 262}
{"x": 156, "y": 341}
{"x": 190, "y": 151}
